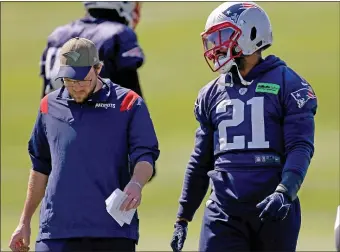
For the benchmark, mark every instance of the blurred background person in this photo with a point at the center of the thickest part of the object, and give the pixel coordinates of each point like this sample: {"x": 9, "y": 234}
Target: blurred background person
{"x": 110, "y": 25}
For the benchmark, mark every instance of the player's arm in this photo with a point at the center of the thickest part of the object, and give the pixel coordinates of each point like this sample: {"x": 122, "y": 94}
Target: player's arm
{"x": 300, "y": 105}
{"x": 143, "y": 143}
{"x": 39, "y": 152}
{"x": 128, "y": 57}
{"x": 128, "y": 78}
{"x": 196, "y": 180}
{"x": 42, "y": 66}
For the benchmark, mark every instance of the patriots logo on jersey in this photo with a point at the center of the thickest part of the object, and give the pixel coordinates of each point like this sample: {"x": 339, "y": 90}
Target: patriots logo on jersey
{"x": 302, "y": 95}
{"x": 134, "y": 52}
{"x": 236, "y": 10}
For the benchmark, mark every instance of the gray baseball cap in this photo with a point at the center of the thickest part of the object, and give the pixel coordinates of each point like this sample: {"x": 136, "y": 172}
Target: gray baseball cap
{"x": 77, "y": 56}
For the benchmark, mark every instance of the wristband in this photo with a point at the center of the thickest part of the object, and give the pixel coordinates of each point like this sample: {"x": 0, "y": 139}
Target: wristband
{"x": 137, "y": 183}
{"x": 290, "y": 184}
{"x": 183, "y": 223}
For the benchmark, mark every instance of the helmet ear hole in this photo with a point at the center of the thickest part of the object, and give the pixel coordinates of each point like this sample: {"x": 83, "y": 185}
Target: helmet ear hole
{"x": 253, "y": 33}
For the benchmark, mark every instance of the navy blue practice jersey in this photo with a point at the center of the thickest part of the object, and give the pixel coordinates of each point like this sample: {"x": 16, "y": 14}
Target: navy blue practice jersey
{"x": 249, "y": 134}
{"x": 256, "y": 125}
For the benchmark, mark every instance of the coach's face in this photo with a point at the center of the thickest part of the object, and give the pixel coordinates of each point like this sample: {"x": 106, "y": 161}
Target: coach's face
{"x": 80, "y": 90}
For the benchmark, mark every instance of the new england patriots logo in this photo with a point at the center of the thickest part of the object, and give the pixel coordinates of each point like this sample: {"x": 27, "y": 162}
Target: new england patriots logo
{"x": 134, "y": 52}
{"x": 72, "y": 55}
{"x": 236, "y": 10}
{"x": 302, "y": 95}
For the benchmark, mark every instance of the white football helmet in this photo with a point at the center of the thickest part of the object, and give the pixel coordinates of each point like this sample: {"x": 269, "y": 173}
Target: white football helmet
{"x": 235, "y": 29}
{"x": 125, "y": 9}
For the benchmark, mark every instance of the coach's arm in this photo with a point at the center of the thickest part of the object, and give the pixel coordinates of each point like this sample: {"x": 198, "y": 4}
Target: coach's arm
{"x": 143, "y": 147}
{"x": 39, "y": 152}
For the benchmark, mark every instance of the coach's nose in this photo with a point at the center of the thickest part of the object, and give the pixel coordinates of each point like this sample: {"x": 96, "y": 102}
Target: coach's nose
{"x": 78, "y": 87}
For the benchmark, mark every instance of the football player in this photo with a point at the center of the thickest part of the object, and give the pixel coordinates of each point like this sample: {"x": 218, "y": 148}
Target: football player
{"x": 255, "y": 139}
{"x": 110, "y": 25}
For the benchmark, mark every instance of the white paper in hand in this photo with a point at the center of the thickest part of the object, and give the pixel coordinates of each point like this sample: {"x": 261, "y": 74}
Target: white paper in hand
{"x": 109, "y": 204}
{"x": 113, "y": 203}
{"x": 337, "y": 230}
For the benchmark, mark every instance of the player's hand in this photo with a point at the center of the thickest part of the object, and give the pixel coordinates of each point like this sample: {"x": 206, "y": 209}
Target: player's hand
{"x": 179, "y": 236}
{"x": 20, "y": 239}
{"x": 274, "y": 207}
{"x": 134, "y": 192}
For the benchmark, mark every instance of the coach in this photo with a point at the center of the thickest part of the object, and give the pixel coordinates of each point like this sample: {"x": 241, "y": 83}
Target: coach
{"x": 86, "y": 135}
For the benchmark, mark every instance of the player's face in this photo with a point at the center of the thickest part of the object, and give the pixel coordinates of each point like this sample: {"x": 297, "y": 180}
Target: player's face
{"x": 219, "y": 43}
{"x": 80, "y": 90}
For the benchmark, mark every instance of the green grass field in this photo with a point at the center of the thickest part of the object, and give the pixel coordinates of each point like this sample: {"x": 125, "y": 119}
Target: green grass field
{"x": 306, "y": 36}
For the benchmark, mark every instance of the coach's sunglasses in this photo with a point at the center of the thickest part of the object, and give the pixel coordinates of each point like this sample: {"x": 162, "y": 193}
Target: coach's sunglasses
{"x": 72, "y": 83}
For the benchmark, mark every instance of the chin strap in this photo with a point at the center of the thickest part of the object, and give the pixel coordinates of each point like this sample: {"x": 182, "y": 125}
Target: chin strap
{"x": 229, "y": 74}
{"x": 234, "y": 69}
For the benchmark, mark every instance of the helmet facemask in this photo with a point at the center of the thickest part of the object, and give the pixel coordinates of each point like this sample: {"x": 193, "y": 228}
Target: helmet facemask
{"x": 220, "y": 46}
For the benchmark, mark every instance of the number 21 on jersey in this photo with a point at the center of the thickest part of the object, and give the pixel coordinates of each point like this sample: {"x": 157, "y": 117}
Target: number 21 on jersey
{"x": 257, "y": 124}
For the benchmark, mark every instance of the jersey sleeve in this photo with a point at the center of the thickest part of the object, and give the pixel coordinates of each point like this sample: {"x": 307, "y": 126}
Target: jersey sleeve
{"x": 143, "y": 142}
{"x": 300, "y": 106}
{"x": 129, "y": 53}
{"x": 49, "y": 61}
{"x": 38, "y": 147}
{"x": 42, "y": 65}
{"x": 196, "y": 179}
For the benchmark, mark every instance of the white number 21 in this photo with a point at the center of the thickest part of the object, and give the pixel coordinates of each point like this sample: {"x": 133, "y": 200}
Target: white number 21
{"x": 257, "y": 124}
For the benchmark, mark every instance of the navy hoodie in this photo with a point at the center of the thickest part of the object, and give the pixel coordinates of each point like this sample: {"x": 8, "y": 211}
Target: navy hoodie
{"x": 248, "y": 136}
{"x": 85, "y": 149}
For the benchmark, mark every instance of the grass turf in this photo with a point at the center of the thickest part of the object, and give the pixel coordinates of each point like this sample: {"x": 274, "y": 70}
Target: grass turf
{"x": 306, "y": 36}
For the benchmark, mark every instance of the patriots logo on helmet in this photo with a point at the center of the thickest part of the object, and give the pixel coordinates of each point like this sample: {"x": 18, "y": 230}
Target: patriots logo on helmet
{"x": 236, "y": 10}
{"x": 248, "y": 5}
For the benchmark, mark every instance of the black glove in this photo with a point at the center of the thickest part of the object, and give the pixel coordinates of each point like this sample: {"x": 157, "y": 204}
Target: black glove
{"x": 179, "y": 236}
{"x": 274, "y": 207}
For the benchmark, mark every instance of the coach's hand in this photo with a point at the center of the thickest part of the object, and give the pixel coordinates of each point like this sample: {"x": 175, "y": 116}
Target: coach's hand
{"x": 274, "y": 207}
{"x": 179, "y": 236}
{"x": 20, "y": 239}
{"x": 134, "y": 192}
